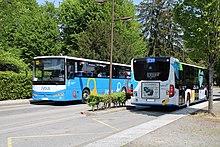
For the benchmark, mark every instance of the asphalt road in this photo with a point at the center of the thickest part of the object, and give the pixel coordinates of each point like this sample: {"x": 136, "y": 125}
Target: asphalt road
{"x": 52, "y": 125}
{"x": 49, "y": 124}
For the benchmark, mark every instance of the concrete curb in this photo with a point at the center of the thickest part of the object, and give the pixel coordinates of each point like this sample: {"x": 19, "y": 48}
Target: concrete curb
{"x": 108, "y": 110}
{"x": 15, "y": 102}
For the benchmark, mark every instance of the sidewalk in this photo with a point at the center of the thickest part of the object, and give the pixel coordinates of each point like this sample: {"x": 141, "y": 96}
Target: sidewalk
{"x": 197, "y": 130}
{"x": 168, "y": 130}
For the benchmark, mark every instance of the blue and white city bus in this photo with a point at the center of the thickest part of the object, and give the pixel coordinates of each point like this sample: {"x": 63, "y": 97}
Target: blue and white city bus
{"x": 159, "y": 81}
{"x": 63, "y": 78}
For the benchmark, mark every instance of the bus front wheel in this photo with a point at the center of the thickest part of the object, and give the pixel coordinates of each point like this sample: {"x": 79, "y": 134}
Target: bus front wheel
{"x": 85, "y": 95}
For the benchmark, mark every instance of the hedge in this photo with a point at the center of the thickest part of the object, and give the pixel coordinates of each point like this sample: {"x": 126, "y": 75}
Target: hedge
{"x": 9, "y": 62}
{"x": 15, "y": 85}
{"x": 117, "y": 98}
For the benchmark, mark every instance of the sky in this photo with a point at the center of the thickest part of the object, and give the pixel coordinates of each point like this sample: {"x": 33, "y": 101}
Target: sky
{"x": 56, "y": 2}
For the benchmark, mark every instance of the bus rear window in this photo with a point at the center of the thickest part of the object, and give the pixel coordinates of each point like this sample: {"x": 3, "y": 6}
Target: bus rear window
{"x": 151, "y": 69}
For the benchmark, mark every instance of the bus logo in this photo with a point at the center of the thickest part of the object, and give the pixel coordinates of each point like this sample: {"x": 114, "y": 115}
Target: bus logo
{"x": 150, "y": 60}
{"x": 45, "y": 88}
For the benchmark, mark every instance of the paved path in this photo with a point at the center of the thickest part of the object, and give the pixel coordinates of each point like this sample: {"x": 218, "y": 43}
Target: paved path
{"x": 124, "y": 137}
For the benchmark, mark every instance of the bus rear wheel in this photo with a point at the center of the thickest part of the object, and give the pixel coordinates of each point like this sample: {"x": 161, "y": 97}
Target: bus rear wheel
{"x": 85, "y": 95}
{"x": 124, "y": 90}
{"x": 188, "y": 100}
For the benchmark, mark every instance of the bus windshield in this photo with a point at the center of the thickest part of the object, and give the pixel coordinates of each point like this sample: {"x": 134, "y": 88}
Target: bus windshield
{"x": 49, "y": 71}
{"x": 151, "y": 68}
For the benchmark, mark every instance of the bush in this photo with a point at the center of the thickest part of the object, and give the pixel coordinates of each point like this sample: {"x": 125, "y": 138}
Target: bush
{"x": 15, "y": 85}
{"x": 9, "y": 62}
{"x": 117, "y": 98}
{"x": 94, "y": 100}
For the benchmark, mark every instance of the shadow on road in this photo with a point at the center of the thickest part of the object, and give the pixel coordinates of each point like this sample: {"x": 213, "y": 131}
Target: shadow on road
{"x": 161, "y": 110}
{"x": 52, "y": 103}
{"x": 217, "y": 99}
{"x": 152, "y": 111}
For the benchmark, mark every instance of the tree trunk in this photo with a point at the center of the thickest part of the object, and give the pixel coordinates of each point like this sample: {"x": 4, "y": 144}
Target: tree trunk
{"x": 210, "y": 91}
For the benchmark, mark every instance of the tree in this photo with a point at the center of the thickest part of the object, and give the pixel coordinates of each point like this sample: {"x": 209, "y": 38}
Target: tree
{"x": 29, "y": 30}
{"x": 75, "y": 16}
{"x": 201, "y": 32}
{"x": 160, "y": 31}
{"x": 86, "y": 30}
{"x": 94, "y": 43}
{"x": 40, "y": 35}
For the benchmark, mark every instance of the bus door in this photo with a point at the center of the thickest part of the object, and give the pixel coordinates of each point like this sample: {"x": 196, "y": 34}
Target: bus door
{"x": 181, "y": 95}
{"x": 71, "y": 93}
{"x": 180, "y": 84}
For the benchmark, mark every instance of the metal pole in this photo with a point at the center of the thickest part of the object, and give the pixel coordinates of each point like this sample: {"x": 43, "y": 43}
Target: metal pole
{"x": 112, "y": 40}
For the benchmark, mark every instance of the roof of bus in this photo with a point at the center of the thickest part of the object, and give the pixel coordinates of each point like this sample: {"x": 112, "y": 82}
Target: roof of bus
{"x": 81, "y": 59}
{"x": 174, "y": 59}
{"x": 193, "y": 65}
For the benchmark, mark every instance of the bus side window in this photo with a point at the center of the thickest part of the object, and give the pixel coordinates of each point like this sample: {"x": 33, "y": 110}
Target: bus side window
{"x": 90, "y": 69}
{"x": 70, "y": 73}
{"x": 78, "y": 72}
{"x": 70, "y": 69}
{"x": 115, "y": 72}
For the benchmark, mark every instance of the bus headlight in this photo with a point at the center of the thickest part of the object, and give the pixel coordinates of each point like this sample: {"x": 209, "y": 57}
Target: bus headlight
{"x": 58, "y": 95}
{"x": 34, "y": 94}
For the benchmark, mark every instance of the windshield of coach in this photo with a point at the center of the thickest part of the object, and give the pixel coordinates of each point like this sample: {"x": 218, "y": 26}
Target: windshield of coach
{"x": 49, "y": 71}
{"x": 151, "y": 69}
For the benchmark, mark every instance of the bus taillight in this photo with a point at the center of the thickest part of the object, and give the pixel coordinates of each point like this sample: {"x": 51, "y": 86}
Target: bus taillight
{"x": 171, "y": 92}
{"x": 131, "y": 90}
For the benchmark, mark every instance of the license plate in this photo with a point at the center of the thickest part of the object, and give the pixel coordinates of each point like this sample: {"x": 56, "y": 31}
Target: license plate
{"x": 44, "y": 98}
{"x": 150, "y": 100}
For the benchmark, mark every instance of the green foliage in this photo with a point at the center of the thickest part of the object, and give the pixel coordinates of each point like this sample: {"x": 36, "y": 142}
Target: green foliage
{"x": 94, "y": 100}
{"x": 161, "y": 34}
{"x": 15, "y": 86}
{"x": 117, "y": 98}
{"x": 201, "y": 30}
{"x": 29, "y": 30}
{"x": 202, "y": 33}
{"x": 94, "y": 43}
{"x": 75, "y": 16}
{"x": 9, "y": 62}
{"x": 86, "y": 30}
{"x": 217, "y": 73}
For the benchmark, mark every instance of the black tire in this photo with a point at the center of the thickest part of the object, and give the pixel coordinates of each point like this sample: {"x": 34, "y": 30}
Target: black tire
{"x": 124, "y": 90}
{"x": 207, "y": 95}
{"x": 188, "y": 100}
{"x": 85, "y": 95}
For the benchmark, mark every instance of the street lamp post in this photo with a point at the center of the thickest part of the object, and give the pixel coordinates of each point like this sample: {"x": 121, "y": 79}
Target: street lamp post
{"x": 111, "y": 51}
{"x": 112, "y": 41}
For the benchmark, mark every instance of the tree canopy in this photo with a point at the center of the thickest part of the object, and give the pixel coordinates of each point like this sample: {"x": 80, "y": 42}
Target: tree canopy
{"x": 201, "y": 32}
{"x": 161, "y": 33}
{"x": 29, "y": 30}
{"x": 86, "y": 30}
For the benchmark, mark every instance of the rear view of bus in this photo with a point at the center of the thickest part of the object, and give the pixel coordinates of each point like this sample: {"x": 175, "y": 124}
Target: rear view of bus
{"x": 153, "y": 81}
